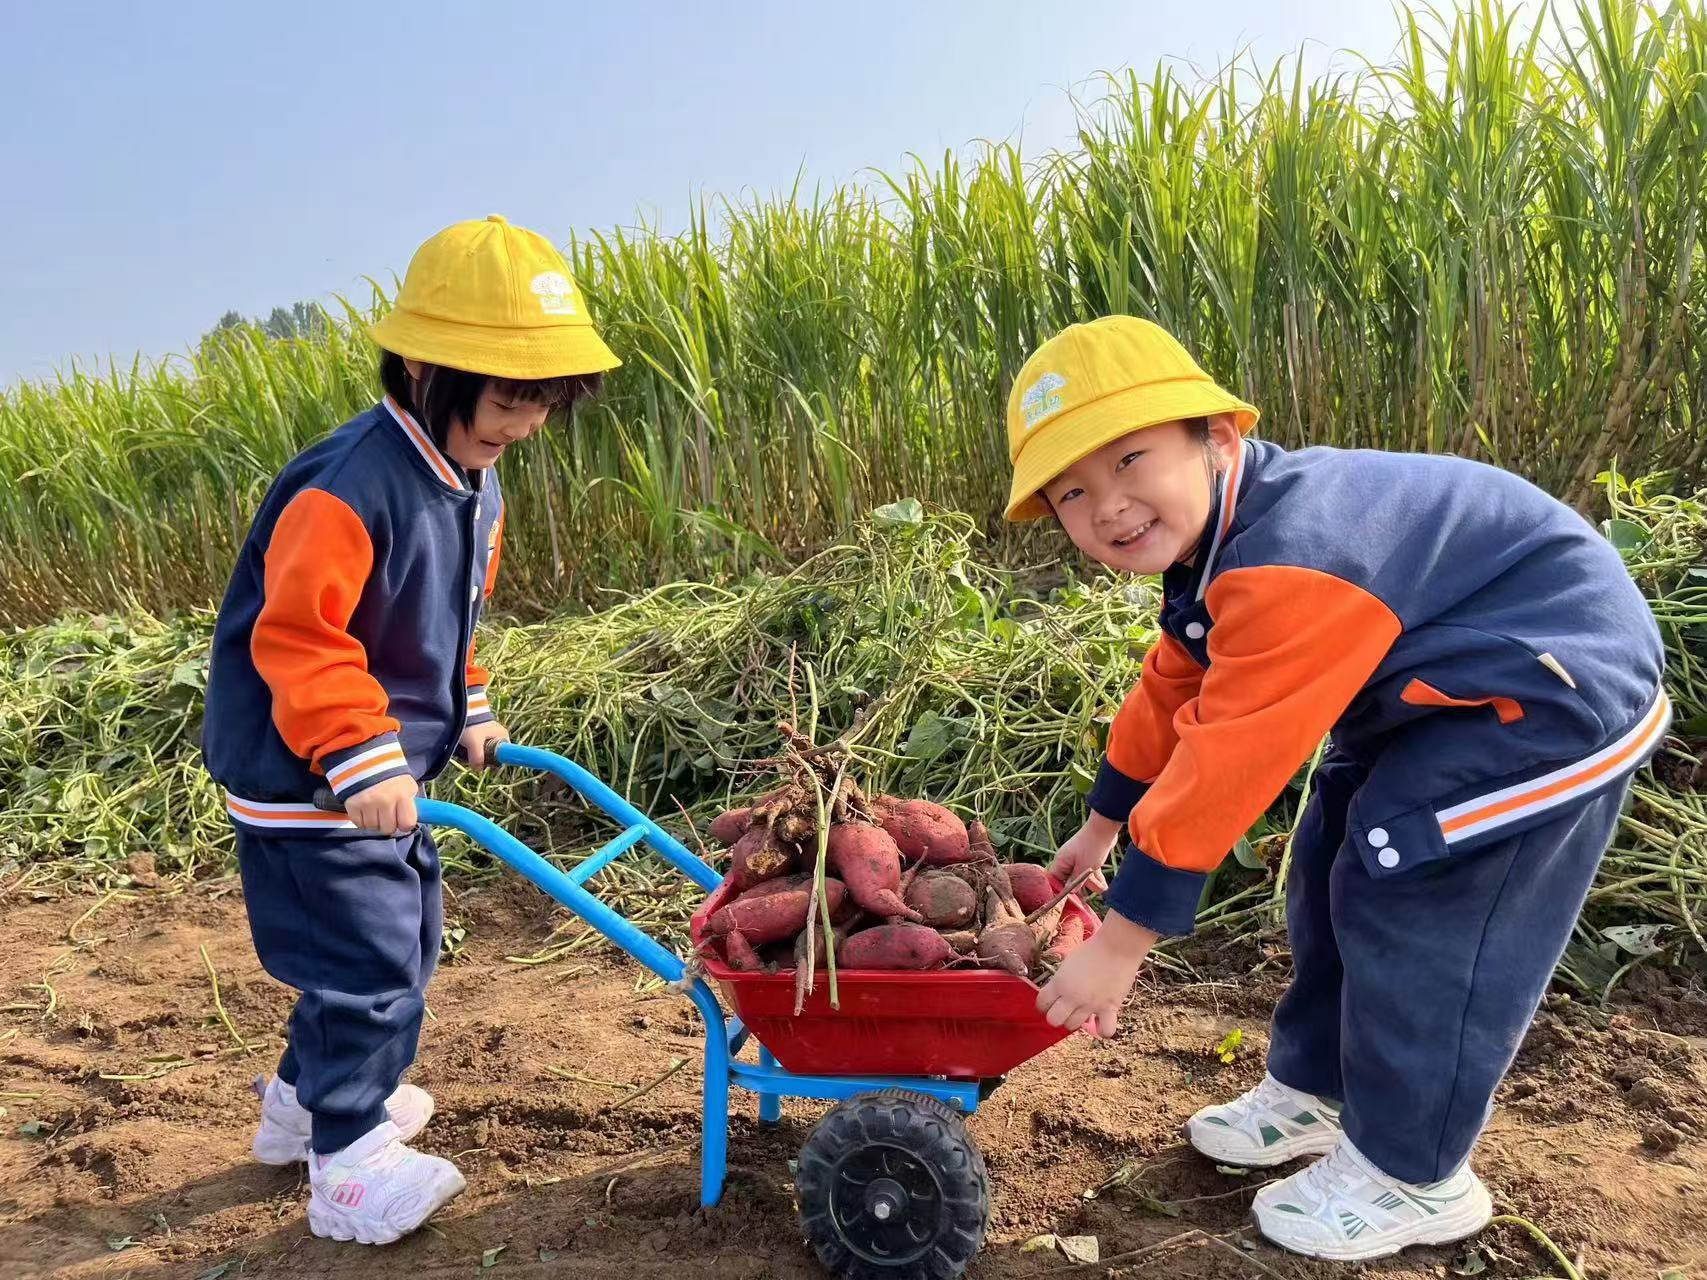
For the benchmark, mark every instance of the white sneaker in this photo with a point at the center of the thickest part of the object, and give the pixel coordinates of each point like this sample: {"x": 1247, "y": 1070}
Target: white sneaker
{"x": 1344, "y": 1208}
{"x": 287, "y": 1125}
{"x": 1267, "y": 1126}
{"x": 377, "y": 1190}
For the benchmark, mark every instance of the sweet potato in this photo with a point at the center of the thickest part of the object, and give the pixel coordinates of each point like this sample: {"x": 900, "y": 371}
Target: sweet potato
{"x": 1008, "y": 946}
{"x": 818, "y": 947}
{"x": 895, "y": 946}
{"x": 730, "y": 825}
{"x": 868, "y": 863}
{"x": 842, "y": 931}
{"x": 971, "y": 872}
{"x": 795, "y": 880}
{"x": 926, "y": 832}
{"x": 1044, "y": 927}
{"x": 989, "y": 884}
{"x": 758, "y": 856}
{"x": 740, "y": 953}
{"x": 841, "y": 908}
{"x": 942, "y": 900}
{"x": 1000, "y": 905}
{"x": 1069, "y": 935}
{"x": 818, "y": 966}
{"x": 773, "y": 917}
{"x": 978, "y": 842}
{"x": 1031, "y": 885}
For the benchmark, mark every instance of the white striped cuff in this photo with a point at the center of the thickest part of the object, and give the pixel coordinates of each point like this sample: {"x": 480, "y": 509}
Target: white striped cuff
{"x": 358, "y": 768}
{"x": 479, "y": 707}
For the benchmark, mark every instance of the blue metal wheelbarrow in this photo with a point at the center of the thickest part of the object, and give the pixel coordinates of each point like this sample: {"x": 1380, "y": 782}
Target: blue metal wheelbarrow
{"x": 890, "y": 1185}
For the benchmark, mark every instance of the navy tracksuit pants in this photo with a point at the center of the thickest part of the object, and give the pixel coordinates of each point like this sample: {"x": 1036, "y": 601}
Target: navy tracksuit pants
{"x": 354, "y": 925}
{"x": 1411, "y": 993}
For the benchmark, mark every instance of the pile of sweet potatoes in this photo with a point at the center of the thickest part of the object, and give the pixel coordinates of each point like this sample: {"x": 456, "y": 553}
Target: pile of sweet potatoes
{"x": 905, "y": 884}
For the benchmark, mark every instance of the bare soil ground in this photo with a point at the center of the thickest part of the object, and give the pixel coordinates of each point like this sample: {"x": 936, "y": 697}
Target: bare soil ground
{"x": 128, "y": 1111}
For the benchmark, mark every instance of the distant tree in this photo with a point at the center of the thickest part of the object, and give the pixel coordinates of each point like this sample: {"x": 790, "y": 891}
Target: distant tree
{"x": 281, "y": 324}
{"x": 301, "y": 320}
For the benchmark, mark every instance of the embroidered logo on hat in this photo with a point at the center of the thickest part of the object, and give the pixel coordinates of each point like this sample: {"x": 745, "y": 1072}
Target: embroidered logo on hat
{"x": 556, "y": 294}
{"x": 1042, "y": 398}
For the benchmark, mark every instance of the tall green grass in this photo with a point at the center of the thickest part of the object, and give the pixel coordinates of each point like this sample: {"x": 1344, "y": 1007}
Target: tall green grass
{"x": 1489, "y": 245}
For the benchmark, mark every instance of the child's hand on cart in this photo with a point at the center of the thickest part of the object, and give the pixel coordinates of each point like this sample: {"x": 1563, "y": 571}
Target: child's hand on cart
{"x": 477, "y": 743}
{"x": 1092, "y": 983}
{"x": 387, "y": 807}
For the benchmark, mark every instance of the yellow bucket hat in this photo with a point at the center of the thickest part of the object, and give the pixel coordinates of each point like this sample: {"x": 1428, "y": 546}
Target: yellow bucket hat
{"x": 1095, "y": 382}
{"x": 487, "y": 297}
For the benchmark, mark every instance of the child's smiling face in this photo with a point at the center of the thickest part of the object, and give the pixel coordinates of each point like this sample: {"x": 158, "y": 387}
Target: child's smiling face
{"x": 1140, "y": 503}
{"x": 500, "y": 420}
{"x": 505, "y": 414}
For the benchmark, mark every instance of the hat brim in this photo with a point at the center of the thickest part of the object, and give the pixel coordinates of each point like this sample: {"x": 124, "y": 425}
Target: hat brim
{"x": 1056, "y": 444}
{"x": 525, "y": 355}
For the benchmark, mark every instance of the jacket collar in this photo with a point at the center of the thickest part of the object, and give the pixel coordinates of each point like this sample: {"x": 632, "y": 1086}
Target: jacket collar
{"x": 1188, "y": 585}
{"x": 446, "y": 472}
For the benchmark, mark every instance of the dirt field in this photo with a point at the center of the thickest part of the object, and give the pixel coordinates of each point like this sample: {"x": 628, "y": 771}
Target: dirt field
{"x": 1601, "y": 1141}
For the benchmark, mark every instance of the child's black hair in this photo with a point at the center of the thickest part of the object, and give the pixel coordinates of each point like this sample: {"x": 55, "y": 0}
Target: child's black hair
{"x": 449, "y": 395}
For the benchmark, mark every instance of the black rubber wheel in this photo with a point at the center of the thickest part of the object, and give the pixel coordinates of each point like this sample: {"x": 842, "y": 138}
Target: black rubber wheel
{"x": 892, "y": 1188}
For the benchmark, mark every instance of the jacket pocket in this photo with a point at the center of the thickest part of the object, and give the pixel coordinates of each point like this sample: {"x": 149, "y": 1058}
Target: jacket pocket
{"x": 1419, "y": 693}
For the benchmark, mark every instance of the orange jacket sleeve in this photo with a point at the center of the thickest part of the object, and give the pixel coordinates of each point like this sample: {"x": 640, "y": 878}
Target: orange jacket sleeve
{"x": 1288, "y": 650}
{"x": 478, "y": 677}
{"x": 1142, "y": 737}
{"x": 325, "y": 702}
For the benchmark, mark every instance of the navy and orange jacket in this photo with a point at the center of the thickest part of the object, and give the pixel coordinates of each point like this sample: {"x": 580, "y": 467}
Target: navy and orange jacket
{"x": 344, "y": 650}
{"x": 1472, "y": 642}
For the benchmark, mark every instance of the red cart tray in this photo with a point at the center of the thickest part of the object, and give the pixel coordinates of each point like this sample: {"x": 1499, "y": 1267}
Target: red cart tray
{"x": 965, "y": 1024}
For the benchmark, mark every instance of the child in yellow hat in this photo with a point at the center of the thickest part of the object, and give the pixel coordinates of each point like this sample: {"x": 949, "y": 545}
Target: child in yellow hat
{"x": 1490, "y": 679}
{"x": 344, "y": 658}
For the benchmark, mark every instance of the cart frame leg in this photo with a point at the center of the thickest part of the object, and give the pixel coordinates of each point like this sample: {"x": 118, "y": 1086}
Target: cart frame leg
{"x": 714, "y": 1106}
{"x": 770, "y": 1104}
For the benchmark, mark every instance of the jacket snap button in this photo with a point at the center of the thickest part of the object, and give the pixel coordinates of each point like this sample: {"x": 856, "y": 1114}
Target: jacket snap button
{"x": 1194, "y": 630}
{"x": 1378, "y": 837}
{"x": 1388, "y": 858}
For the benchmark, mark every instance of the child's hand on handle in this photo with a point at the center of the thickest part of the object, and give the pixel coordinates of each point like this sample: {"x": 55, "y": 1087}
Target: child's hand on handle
{"x": 386, "y": 807}
{"x": 1086, "y": 850}
{"x": 1091, "y": 985}
{"x": 478, "y": 742}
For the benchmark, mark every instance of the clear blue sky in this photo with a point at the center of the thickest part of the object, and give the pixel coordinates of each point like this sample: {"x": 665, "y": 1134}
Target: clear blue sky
{"x": 164, "y": 163}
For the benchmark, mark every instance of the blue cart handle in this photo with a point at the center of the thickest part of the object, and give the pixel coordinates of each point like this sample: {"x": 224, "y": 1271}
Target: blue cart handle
{"x": 566, "y": 886}
{"x": 614, "y": 806}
